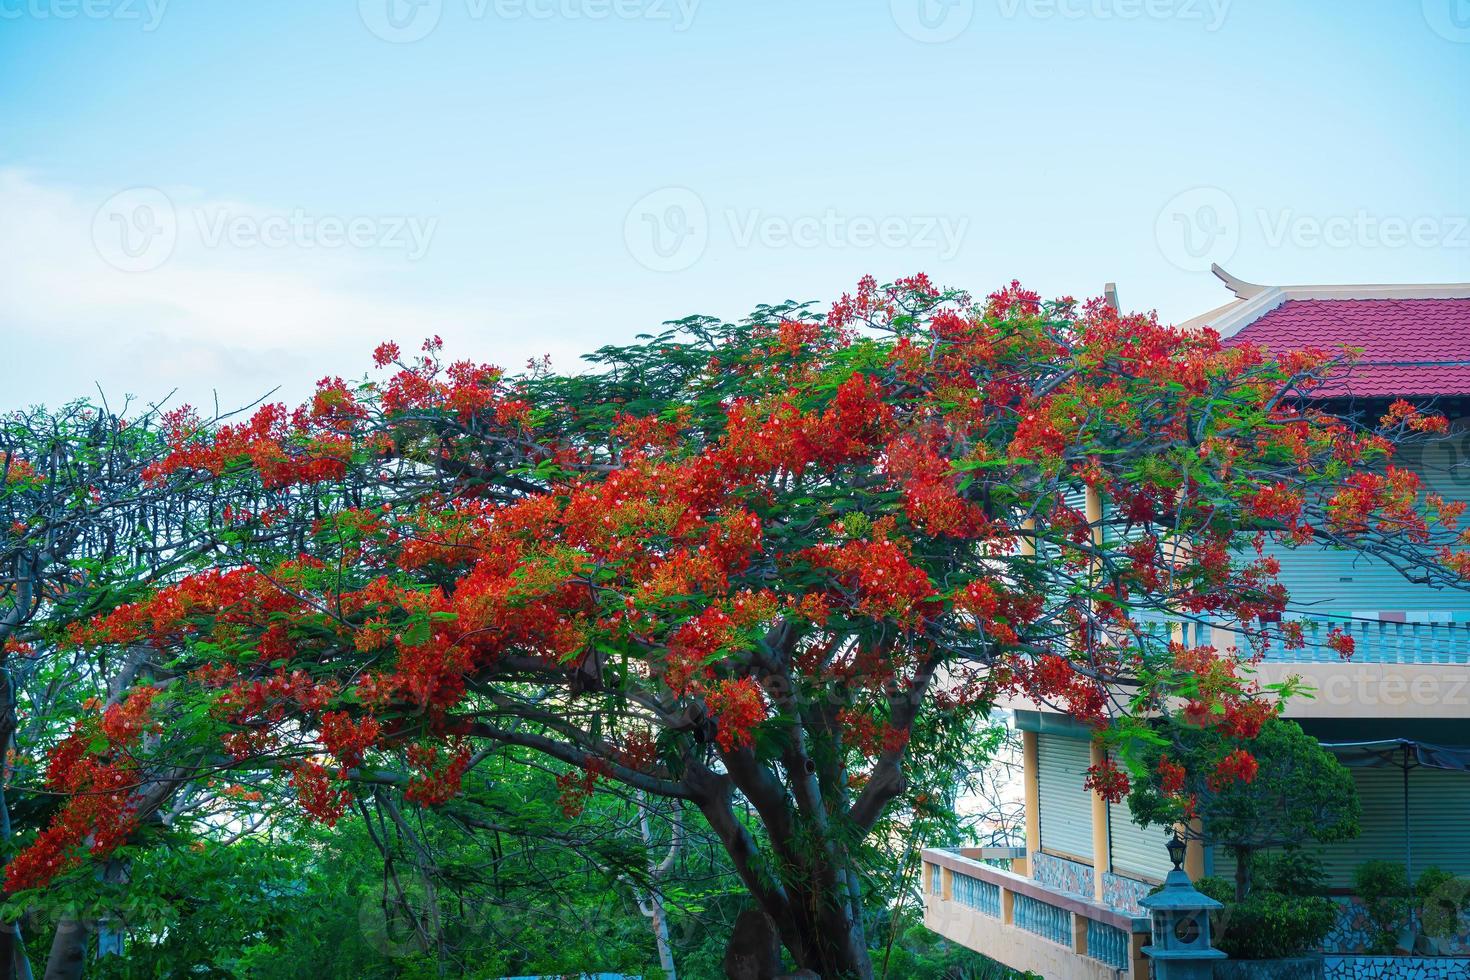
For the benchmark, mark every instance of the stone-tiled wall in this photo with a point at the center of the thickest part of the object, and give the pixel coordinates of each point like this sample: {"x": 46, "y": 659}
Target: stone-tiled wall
{"x": 1071, "y": 876}
{"x": 1123, "y": 893}
{"x": 1350, "y": 935}
{"x": 1353, "y": 932}
{"x": 1396, "y": 968}
{"x": 1061, "y": 874}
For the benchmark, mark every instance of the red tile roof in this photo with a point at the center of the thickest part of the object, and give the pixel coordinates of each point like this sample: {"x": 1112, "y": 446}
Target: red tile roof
{"x": 1410, "y": 346}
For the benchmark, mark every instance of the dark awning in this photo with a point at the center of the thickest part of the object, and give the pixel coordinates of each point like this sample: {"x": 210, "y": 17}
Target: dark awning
{"x": 1402, "y": 752}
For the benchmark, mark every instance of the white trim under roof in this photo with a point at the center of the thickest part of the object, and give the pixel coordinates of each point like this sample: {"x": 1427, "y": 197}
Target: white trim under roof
{"x": 1254, "y": 301}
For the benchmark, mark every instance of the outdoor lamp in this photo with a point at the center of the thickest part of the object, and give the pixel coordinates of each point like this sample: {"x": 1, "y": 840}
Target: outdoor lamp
{"x": 1176, "y": 847}
{"x": 1180, "y": 917}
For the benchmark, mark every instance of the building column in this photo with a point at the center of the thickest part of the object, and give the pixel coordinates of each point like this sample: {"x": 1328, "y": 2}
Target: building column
{"x": 1102, "y": 861}
{"x": 1030, "y": 777}
{"x": 1094, "y": 509}
{"x": 1030, "y": 764}
{"x": 1194, "y": 853}
{"x": 1102, "y": 858}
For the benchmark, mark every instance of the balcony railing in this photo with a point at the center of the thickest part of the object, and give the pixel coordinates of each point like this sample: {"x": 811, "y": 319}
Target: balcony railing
{"x": 972, "y": 892}
{"x": 1108, "y": 943}
{"x": 1379, "y": 642}
{"x": 1043, "y": 918}
{"x": 1374, "y": 641}
{"x": 1026, "y": 925}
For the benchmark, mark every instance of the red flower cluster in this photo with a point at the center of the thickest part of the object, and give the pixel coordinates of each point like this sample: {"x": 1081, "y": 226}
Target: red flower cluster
{"x": 320, "y": 792}
{"x": 1171, "y": 776}
{"x": 99, "y": 812}
{"x": 1107, "y": 780}
{"x": 282, "y": 449}
{"x": 1054, "y": 679}
{"x": 346, "y": 739}
{"x": 124, "y": 723}
{"x": 1239, "y": 765}
{"x": 737, "y": 706}
{"x": 440, "y": 776}
{"x": 98, "y": 818}
{"x": 877, "y": 578}
{"x": 781, "y": 437}
{"x": 573, "y": 789}
{"x": 1407, "y": 414}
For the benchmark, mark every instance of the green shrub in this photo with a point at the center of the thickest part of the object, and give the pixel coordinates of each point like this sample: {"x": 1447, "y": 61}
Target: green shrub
{"x": 1438, "y": 898}
{"x": 1269, "y": 924}
{"x": 1291, "y": 872}
{"x": 1300, "y": 792}
{"x": 1219, "y": 889}
{"x": 1443, "y": 896}
{"x": 1384, "y": 888}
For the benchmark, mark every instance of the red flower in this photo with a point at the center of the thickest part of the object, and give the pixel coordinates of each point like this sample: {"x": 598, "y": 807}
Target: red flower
{"x": 440, "y": 779}
{"x": 320, "y": 793}
{"x": 385, "y": 354}
{"x": 737, "y": 706}
{"x": 1171, "y": 777}
{"x": 346, "y": 739}
{"x": 1107, "y": 780}
{"x": 1340, "y": 641}
{"x": 1238, "y": 765}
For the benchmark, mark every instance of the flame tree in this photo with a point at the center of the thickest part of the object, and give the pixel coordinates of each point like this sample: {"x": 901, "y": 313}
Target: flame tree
{"x": 81, "y": 531}
{"x": 772, "y": 570}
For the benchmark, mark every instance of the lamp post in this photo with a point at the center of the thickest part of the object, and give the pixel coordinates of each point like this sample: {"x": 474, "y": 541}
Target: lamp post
{"x": 1181, "y": 947}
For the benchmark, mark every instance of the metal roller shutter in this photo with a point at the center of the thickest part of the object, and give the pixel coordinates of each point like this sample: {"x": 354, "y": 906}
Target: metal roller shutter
{"x": 1065, "y": 805}
{"x": 1381, "y": 792}
{"x": 1137, "y": 852}
{"x": 1439, "y": 819}
{"x": 1340, "y": 583}
{"x": 1346, "y": 581}
{"x": 1439, "y": 810}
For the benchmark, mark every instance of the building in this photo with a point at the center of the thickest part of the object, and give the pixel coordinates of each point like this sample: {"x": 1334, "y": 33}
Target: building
{"x": 1398, "y": 713}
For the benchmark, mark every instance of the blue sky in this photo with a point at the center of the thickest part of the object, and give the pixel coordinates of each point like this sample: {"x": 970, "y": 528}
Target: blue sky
{"x": 213, "y": 196}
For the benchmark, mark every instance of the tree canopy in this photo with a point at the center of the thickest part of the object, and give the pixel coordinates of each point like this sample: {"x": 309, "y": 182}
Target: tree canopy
{"x": 777, "y": 571}
{"x": 1296, "y": 791}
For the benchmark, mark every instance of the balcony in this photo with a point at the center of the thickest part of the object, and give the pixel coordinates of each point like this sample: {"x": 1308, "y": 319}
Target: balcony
{"x": 1026, "y": 925}
{"x": 1375, "y": 641}
{"x": 1379, "y": 642}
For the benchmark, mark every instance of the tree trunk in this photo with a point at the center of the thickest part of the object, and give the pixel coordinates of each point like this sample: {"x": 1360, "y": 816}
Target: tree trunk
{"x": 841, "y": 946}
{"x": 754, "y": 950}
{"x": 111, "y": 930}
{"x": 661, "y": 937}
{"x": 654, "y": 906}
{"x": 68, "y": 956}
{"x": 14, "y": 963}
{"x": 1242, "y": 873}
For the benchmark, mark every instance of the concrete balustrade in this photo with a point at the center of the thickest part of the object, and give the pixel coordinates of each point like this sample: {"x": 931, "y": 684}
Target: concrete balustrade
{"x": 1026, "y": 925}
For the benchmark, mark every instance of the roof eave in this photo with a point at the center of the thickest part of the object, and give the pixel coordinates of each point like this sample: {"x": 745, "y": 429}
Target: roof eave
{"x": 1254, "y": 301}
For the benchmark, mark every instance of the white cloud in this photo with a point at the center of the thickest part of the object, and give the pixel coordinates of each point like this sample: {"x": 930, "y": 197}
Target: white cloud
{"x": 242, "y": 298}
